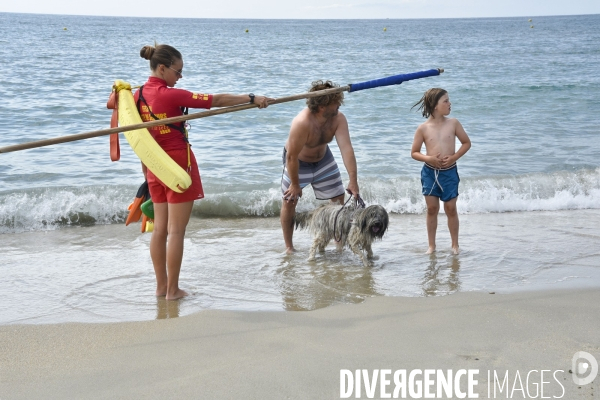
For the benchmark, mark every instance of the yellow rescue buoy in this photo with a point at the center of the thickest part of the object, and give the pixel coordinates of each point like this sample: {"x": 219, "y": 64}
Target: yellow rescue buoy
{"x": 246, "y": 30}
{"x": 384, "y": 29}
{"x": 531, "y": 26}
{"x": 145, "y": 147}
{"x": 64, "y": 29}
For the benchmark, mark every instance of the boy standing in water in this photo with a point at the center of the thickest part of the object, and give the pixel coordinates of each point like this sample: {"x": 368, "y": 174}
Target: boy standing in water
{"x": 439, "y": 175}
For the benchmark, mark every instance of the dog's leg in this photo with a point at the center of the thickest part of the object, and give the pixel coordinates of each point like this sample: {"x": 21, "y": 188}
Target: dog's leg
{"x": 370, "y": 255}
{"x": 369, "y": 251}
{"x": 313, "y": 249}
{"x": 356, "y": 250}
{"x": 339, "y": 246}
{"x": 323, "y": 242}
{"x": 319, "y": 243}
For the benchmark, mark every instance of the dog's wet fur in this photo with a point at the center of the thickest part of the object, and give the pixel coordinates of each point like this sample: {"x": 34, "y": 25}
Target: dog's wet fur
{"x": 358, "y": 228}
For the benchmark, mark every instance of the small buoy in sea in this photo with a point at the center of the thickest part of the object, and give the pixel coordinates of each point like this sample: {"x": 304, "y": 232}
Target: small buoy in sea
{"x": 529, "y": 20}
{"x": 246, "y": 30}
{"x": 531, "y": 26}
{"x": 384, "y": 29}
{"x": 64, "y": 29}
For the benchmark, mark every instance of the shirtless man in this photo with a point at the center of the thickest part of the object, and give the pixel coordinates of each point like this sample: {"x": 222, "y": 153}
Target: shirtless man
{"x": 308, "y": 160}
{"x": 439, "y": 175}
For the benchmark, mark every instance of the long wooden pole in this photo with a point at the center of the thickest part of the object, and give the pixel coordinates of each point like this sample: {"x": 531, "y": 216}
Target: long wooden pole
{"x": 202, "y": 114}
{"x": 391, "y": 80}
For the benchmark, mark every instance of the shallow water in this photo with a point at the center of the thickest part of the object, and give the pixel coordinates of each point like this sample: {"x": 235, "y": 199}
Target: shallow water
{"x": 104, "y": 273}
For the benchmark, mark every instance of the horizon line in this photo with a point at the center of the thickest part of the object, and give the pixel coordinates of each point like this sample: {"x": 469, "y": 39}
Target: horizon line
{"x": 302, "y": 19}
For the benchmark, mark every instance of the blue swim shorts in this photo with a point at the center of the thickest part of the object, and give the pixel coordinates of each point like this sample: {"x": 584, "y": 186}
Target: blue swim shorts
{"x": 324, "y": 176}
{"x": 442, "y": 183}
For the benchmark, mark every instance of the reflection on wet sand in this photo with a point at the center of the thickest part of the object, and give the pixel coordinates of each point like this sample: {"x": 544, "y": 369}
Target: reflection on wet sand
{"x": 167, "y": 309}
{"x": 331, "y": 279}
{"x": 441, "y": 276}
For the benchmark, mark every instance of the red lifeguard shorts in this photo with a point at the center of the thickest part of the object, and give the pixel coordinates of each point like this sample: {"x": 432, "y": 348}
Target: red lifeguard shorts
{"x": 162, "y": 194}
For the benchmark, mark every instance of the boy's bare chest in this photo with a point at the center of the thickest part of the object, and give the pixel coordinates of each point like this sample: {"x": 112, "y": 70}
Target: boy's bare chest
{"x": 439, "y": 137}
{"x": 441, "y": 134}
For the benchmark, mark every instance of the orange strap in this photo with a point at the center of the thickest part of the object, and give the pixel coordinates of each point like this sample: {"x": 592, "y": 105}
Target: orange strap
{"x": 135, "y": 213}
{"x": 144, "y": 220}
{"x": 112, "y": 103}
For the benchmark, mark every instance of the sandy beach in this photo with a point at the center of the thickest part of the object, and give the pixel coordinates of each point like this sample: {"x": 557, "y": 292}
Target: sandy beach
{"x": 299, "y": 355}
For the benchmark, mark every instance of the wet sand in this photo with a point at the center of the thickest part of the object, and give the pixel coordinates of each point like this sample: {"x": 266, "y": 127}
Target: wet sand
{"x": 219, "y": 354}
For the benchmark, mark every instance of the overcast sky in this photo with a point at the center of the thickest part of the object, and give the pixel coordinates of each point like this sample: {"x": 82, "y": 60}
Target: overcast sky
{"x": 312, "y": 9}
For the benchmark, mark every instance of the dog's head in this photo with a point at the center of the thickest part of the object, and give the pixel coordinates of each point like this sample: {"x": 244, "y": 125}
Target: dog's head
{"x": 374, "y": 221}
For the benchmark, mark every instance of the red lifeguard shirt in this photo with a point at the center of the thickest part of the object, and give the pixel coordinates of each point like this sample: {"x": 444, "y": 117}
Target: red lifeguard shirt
{"x": 166, "y": 102}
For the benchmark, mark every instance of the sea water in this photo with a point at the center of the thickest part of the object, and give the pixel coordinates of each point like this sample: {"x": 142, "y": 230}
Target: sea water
{"x": 529, "y": 192}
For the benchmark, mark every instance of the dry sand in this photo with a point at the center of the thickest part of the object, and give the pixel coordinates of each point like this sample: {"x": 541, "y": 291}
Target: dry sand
{"x": 299, "y": 355}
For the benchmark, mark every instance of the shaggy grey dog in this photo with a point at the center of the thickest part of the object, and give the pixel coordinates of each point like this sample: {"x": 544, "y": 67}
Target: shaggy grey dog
{"x": 353, "y": 227}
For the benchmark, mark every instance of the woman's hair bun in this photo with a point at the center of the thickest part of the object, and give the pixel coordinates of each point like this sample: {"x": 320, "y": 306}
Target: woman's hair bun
{"x": 146, "y": 52}
{"x": 160, "y": 54}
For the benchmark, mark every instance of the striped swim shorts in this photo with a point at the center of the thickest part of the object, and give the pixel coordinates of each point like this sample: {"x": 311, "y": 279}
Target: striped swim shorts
{"x": 324, "y": 176}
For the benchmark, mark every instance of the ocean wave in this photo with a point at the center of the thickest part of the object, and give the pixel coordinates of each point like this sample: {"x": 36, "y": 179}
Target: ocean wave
{"x": 52, "y": 208}
{"x": 534, "y": 192}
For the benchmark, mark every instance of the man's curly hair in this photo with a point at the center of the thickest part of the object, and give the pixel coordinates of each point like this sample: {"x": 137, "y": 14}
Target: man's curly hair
{"x": 314, "y": 103}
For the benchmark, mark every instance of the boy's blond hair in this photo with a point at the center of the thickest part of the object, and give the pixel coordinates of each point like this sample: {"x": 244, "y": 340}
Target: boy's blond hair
{"x": 429, "y": 101}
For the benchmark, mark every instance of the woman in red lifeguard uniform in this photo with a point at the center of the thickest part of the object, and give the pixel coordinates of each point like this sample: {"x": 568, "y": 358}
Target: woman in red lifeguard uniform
{"x": 158, "y": 99}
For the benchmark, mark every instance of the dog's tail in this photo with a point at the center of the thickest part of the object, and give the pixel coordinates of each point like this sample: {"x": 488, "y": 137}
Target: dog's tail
{"x": 302, "y": 220}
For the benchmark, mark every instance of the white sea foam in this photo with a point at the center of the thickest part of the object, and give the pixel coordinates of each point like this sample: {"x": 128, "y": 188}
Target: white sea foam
{"x": 47, "y": 209}
{"x": 535, "y": 192}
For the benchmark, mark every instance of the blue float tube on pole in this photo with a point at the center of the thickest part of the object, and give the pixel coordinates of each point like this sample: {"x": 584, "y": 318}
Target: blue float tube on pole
{"x": 394, "y": 80}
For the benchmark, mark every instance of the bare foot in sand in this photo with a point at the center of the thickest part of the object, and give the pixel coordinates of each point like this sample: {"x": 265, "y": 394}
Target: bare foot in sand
{"x": 455, "y": 250}
{"x": 430, "y": 250}
{"x": 290, "y": 250}
{"x": 177, "y": 295}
